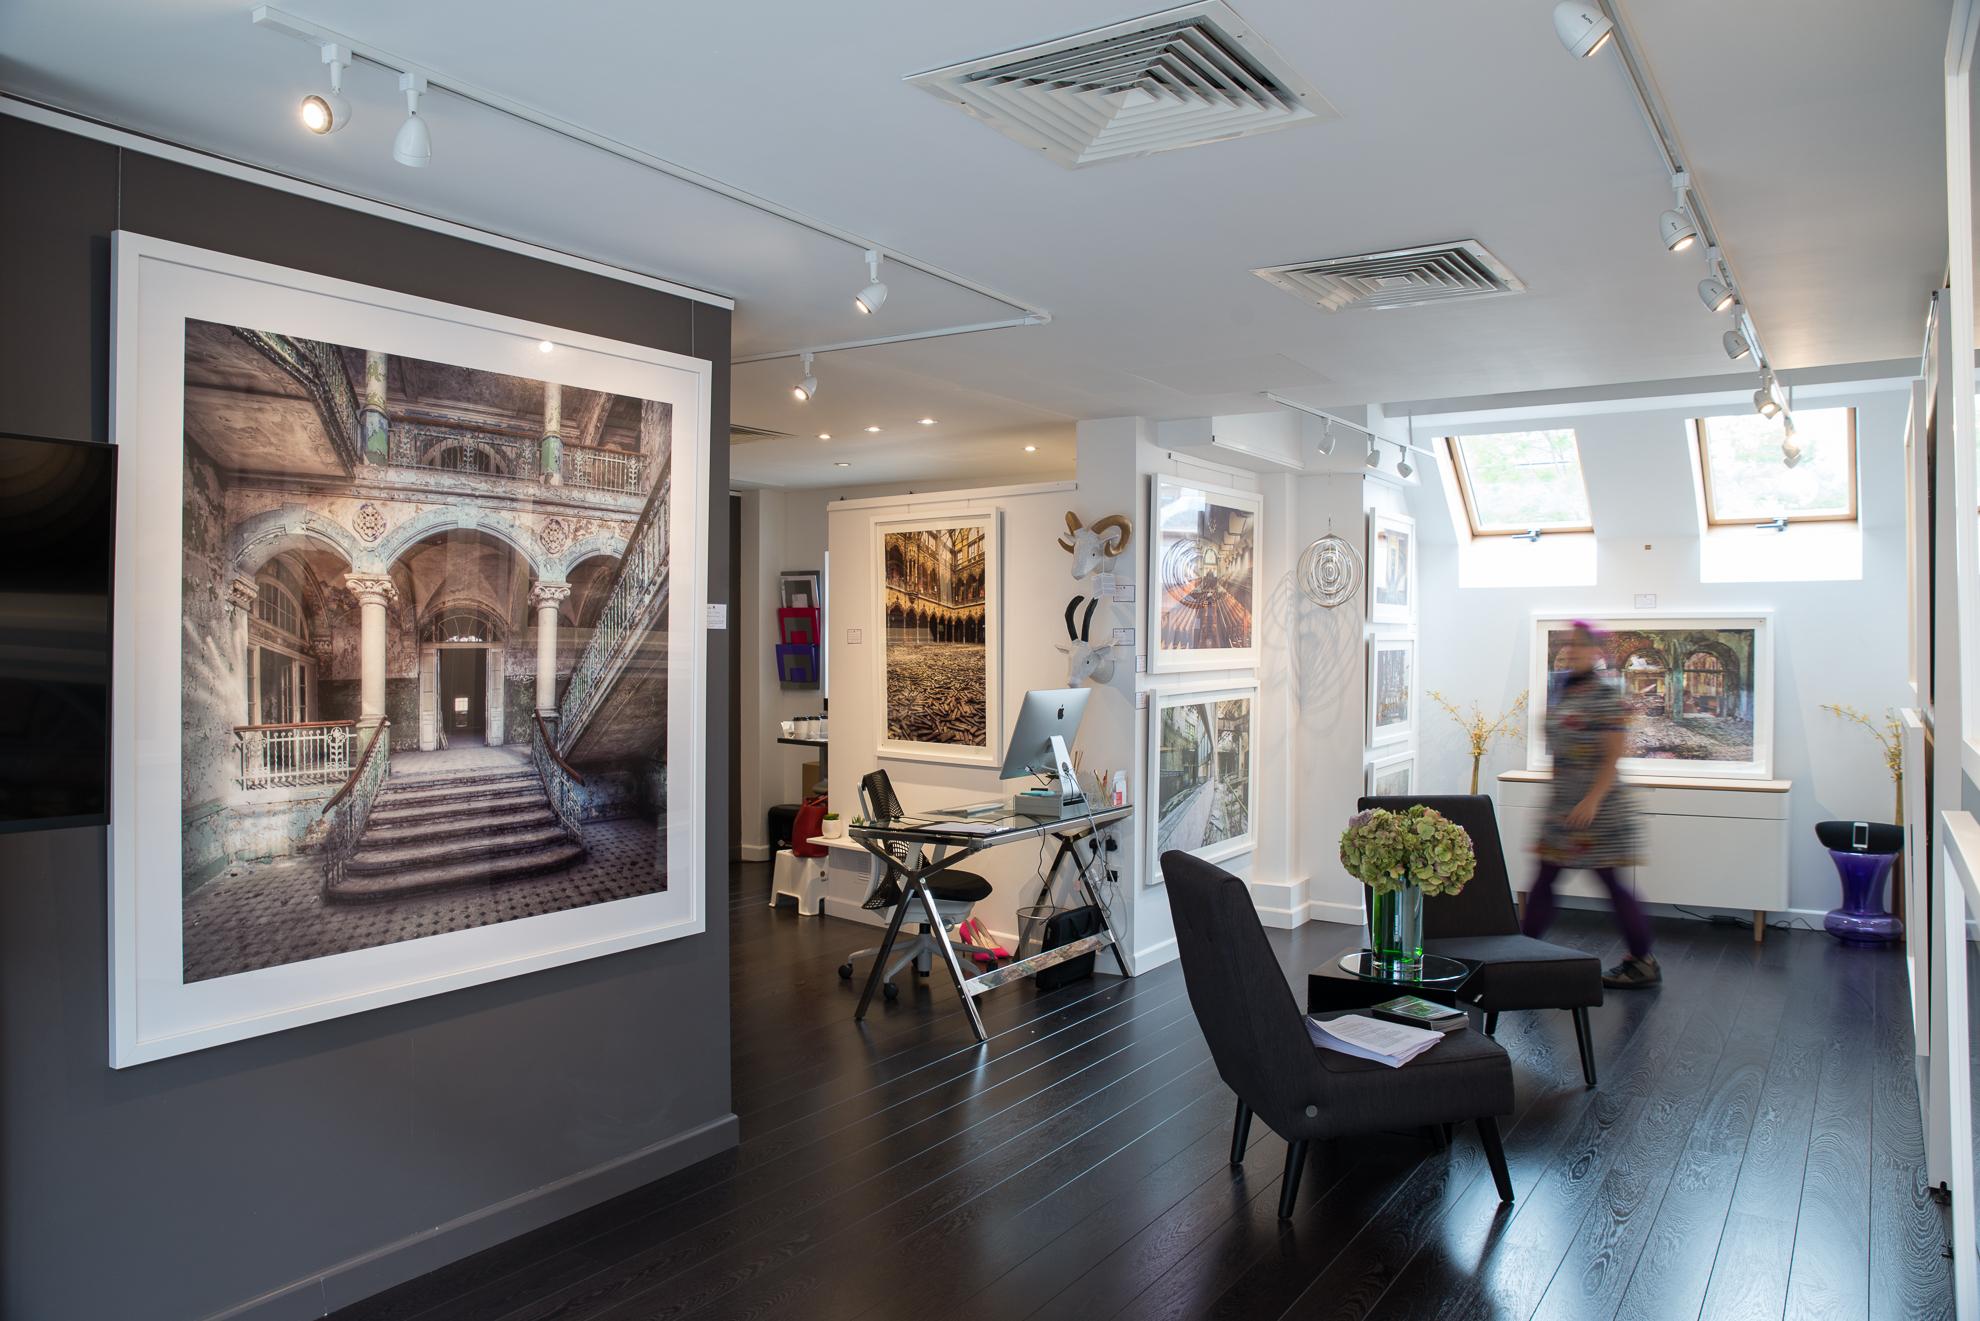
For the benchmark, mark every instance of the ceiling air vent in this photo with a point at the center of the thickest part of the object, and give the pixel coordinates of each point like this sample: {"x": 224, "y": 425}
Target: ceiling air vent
{"x": 739, "y": 432}
{"x": 1406, "y": 277}
{"x": 1174, "y": 79}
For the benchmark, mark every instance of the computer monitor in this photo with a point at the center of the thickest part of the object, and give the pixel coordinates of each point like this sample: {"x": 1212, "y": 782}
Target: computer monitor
{"x": 1047, "y": 723}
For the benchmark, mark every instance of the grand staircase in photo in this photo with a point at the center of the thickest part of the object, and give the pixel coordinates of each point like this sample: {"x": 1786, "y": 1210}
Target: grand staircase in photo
{"x": 439, "y": 830}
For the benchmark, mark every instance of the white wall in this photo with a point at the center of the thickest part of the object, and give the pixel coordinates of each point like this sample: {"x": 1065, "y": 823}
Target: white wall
{"x": 1834, "y": 641}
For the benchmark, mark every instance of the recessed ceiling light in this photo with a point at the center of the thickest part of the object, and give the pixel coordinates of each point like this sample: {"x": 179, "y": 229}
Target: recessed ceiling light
{"x": 842, "y": 465}
{"x": 544, "y": 346}
{"x": 1031, "y": 449}
{"x": 927, "y": 421}
{"x": 824, "y": 435}
{"x": 873, "y": 429}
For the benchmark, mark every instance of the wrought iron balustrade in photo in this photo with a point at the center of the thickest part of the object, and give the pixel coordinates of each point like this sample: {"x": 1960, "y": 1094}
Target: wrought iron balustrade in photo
{"x": 601, "y": 469}
{"x": 462, "y": 449}
{"x": 642, "y": 576}
{"x": 287, "y": 756}
{"x": 560, "y": 781}
{"x": 349, "y": 808}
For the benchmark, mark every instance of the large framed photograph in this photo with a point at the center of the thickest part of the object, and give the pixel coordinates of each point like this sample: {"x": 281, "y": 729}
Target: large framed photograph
{"x": 1699, "y": 690}
{"x": 1203, "y": 564}
{"x": 1391, "y": 568}
{"x": 409, "y": 672}
{"x": 1202, "y": 766}
{"x": 941, "y": 673}
{"x": 1391, "y": 689}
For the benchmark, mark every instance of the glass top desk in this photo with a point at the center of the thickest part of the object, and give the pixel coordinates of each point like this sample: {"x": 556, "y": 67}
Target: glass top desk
{"x": 920, "y": 846}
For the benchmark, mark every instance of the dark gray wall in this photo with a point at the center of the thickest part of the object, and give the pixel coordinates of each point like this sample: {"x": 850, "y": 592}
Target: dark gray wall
{"x": 311, "y": 1167}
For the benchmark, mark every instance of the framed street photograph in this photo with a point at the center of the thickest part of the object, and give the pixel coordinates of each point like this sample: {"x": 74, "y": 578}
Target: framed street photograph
{"x": 1202, "y": 766}
{"x": 1391, "y": 568}
{"x": 1203, "y": 572}
{"x": 1391, "y": 689}
{"x": 941, "y": 674}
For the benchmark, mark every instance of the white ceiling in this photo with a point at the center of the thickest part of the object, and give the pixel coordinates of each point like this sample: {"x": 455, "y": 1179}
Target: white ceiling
{"x": 1814, "y": 128}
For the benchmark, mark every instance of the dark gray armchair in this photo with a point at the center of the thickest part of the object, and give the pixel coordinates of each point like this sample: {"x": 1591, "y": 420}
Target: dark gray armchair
{"x": 1480, "y": 923}
{"x": 1262, "y": 1050}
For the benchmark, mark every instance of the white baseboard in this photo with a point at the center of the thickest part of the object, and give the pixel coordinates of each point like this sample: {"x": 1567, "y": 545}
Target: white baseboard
{"x": 1286, "y": 905}
{"x": 1154, "y": 956}
{"x": 754, "y": 852}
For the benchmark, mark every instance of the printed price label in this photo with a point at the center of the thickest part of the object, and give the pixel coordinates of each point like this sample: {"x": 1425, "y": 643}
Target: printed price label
{"x": 1123, "y": 592}
{"x": 718, "y": 614}
{"x": 1124, "y": 637}
{"x": 854, "y": 637}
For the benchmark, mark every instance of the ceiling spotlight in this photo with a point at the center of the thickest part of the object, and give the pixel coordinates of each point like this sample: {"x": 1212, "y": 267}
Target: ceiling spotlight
{"x": 873, "y": 430}
{"x": 326, "y": 112}
{"x": 1767, "y": 401}
{"x": 1326, "y": 438}
{"x": 927, "y": 421}
{"x": 805, "y": 390}
{"x": 842, "y": 464}
{"x": 544, "y": 346}
{"x": 1373, "y": 460}
{"x": 1678, "y": 231}
{"x": 1403, "y": 468}
{"x": 1736, "y": 344}
{"x": 874, "y": 296}
{"x": 414, "y": 145}
{"x": 824, "y": 435}
{"x": 1790, "y": 447}
{"x": 1716, "y": 294}
{"x": 1583, "y": 29}
{"x": 1031, "y": 449}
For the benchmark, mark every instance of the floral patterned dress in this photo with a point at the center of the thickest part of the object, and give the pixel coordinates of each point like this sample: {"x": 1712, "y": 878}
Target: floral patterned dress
{"x": 1580, "y": 718}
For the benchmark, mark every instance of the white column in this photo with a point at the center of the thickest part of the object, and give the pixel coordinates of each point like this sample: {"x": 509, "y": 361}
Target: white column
{"x": 547, "y": 597}
{"x": 553, "y": 434}
{"x": 375, "y": 594}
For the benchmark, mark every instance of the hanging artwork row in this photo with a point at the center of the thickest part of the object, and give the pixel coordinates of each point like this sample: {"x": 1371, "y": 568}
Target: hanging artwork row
{"x": 409, "y": 674}
{"x": 941, "y": 672}
{"x": 1203, "y": 572}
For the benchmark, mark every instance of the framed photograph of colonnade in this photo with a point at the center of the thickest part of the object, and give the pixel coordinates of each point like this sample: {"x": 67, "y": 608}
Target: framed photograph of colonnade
{"x": 408, "y": 681}
{"x": 1202, "y": 767}
{"x": 1698, "y": 690}
{"x": 941, "y": 672}
{"x": 1203, "y": 571}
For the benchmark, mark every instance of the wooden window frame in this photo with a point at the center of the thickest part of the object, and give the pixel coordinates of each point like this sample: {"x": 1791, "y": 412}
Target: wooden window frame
{"x": 1712, "y": 518}
{"x": 1455, "y": 451}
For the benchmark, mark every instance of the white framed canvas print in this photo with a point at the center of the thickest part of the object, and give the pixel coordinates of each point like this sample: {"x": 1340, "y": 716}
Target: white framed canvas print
{"x": 1392, "y": 777}
{"x": 941, "y": 673}
{"x": 1203, "y": 567}
{"x": 1391, "y": 568}
{"x": 1698, "y": 690}
{"x": 1202, "y": 767}
{"x": 402, "y": 588}
{"x": 1391, "y": 689}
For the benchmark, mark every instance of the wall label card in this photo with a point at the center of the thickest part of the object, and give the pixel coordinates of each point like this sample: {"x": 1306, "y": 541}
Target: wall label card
{"x": 718, "y": 614}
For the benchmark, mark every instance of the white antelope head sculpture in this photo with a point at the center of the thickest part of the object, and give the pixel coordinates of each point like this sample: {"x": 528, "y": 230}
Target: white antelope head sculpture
{"x": 1084, "y": 660}
{"x": 1095, "y": 547}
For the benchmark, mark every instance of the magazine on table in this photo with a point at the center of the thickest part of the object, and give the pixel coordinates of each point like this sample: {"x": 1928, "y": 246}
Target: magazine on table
{"x": 1418, "y": 1012}
{"x": 1368, "y": 1038}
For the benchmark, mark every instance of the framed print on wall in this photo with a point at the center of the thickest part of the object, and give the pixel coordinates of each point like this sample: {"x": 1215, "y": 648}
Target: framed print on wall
{"x": 1391, "y": 568}
{"x": 1201, "y": 764}
{"x": 1204, "y": 569}
{"x": 1391, "y": 689}
{"x": 1698, "y": 690}
{"x": 941, "y": 671}
{"x": 362, "y": 537}
{"x": 1392, "y": 777}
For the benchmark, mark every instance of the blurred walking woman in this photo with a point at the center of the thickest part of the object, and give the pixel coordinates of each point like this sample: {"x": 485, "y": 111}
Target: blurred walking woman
{"x": 1591, "y": 821}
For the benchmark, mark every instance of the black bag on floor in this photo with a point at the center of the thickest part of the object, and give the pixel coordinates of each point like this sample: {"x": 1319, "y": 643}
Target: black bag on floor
{"x": 1063, "y": 929}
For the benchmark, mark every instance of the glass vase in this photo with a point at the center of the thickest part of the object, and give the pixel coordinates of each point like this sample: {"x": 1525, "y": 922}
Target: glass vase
{"x": 1395, "y": 930}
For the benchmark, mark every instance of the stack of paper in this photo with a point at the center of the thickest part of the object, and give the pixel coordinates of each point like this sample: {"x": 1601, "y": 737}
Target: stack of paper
{"x": 1371, "y": 1039}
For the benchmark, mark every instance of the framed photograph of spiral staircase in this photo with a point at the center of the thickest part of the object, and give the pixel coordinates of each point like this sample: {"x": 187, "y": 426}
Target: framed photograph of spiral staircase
{"x": 1203, "y": 576}
{"x": 408, "y": 683}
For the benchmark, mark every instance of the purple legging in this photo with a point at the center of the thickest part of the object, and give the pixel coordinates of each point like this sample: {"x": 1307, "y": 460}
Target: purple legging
{"x": 1635, "y": 923}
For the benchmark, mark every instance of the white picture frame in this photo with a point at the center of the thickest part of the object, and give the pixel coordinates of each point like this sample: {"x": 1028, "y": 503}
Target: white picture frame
{"x": 1391, "y": 714}
{"x": 1180, "y": 608}
{"x": 1391, "y": 776}
{"x": 157, "y": 287}
{"x": 1751, "y": 688}
{"x": 1392, "y": 554}
{"x": 1160, "y": 830}
{"x": 988, "y": 752}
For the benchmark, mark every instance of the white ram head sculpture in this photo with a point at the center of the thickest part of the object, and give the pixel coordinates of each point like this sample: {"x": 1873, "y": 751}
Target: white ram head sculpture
{"x": 1095, "y": 547}
{"x": 1084, "y": 660}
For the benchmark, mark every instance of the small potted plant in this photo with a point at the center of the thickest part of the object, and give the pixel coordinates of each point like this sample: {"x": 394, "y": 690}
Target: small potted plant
{"x": 834, "y": 828}
{"x": 1400, "y": 857}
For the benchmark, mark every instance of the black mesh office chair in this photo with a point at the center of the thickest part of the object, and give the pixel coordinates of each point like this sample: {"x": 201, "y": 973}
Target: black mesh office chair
{"x": 955, "y": 894}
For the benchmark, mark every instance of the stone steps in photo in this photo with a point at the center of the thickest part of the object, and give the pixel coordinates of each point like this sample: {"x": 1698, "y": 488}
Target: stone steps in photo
{"x": 529, "y": 813}
{"x": 407, "y": 882}
{"x": 488, "y": 844}
{"x": 427, "y": 789}
{"x": 398, "y": 811}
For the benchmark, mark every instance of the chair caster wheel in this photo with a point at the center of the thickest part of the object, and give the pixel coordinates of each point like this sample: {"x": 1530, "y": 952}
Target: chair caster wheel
{"x": 891, "y": 991}
{"x": 845, "y": 972}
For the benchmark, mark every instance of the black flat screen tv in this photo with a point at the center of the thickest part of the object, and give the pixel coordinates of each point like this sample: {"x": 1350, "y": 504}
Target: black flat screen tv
{"x": 58, "y": 512}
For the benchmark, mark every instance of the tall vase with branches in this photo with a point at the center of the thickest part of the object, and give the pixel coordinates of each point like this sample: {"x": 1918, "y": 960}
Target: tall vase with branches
{"x": 1889, "y": 734}
{"x": 1480, "y": 729}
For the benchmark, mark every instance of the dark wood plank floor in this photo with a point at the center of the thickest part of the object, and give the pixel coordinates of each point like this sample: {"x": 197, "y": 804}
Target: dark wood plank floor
{"x": 1754, "y": 1150}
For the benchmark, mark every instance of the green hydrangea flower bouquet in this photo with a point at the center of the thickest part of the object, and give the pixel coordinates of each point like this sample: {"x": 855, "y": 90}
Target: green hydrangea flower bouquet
{"x": 1400, "y": 857}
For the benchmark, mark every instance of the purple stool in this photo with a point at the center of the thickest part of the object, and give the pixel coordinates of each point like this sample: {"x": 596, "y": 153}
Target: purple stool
{"x": 1864, "y": 852}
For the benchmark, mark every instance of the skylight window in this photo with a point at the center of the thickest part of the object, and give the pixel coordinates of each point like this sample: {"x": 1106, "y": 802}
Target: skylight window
{"x": 1739, "y": 458}
{"x": 1521, "y": 481}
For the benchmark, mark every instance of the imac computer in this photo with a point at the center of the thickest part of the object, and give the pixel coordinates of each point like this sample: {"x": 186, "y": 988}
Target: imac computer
{"x": 1047, "y": 723}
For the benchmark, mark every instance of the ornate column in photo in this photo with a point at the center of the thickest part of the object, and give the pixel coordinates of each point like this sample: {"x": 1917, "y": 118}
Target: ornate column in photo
{"x": 553, "y": 433}
{"x": 547, "y": 597}
{"x": 375, "y": 594}
{"x": 371, "y": 419}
